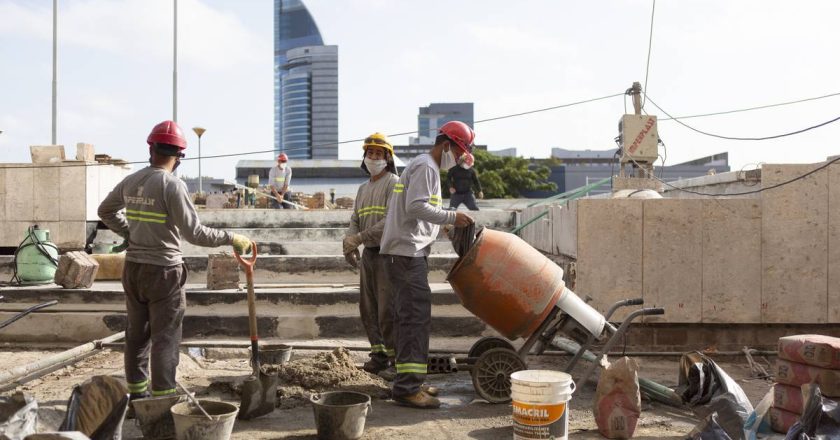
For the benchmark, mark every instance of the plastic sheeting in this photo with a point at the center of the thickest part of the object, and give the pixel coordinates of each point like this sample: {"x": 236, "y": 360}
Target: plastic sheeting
{"x": 97, "y": 408}
{"x": 707, "y": 389}
{"x": 709, "y": 429}
{"x": 18, "y": 416}
{"x": 821, "y": 419}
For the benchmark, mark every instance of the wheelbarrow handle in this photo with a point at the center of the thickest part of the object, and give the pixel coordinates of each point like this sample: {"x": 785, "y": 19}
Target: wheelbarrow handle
{"x": 249, "y": 263}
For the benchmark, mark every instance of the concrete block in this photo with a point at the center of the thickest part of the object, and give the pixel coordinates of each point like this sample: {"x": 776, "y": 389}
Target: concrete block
{"x": 834, "y": 243}
{"x": 92, "y": 191}
{"x": 76, "y": 270}
{"x": 609, "y": 261}
{"x": 19, "y": 193}
{"x": 46, "y": 194}
{"x": 222, "y": 272}
{"x": 85, "y": 152}
{"x": 2, "y": 180}
{"x": 73, "y": 190}
{"x": 564, "y": 229}
{"x": 794, "y": 246}
{"x": 673, "y": 258}
{"x": 110, "y": 266}
{"x": 72, "y": 235}
{"x": 731, "y": 260}
{"x": 47, "y": 153}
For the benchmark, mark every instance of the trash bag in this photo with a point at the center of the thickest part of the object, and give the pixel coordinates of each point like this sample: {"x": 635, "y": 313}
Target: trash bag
{"x": 618, "y": 403}
{"x": 18, "y": 416}
{"x": 758, "y": 421}
{"x": 709, "y": 429}
{"x": 706, "y": 388}
{"x": 97, "y": 408}
{"x": 821, "y": 419}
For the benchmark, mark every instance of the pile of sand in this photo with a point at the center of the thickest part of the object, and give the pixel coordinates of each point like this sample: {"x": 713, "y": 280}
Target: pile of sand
{"x": 326, "y": 371}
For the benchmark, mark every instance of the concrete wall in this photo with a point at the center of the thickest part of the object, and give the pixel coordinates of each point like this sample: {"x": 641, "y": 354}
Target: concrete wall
{"x": 60, "y": 197}
{"x": 771, "y": 258}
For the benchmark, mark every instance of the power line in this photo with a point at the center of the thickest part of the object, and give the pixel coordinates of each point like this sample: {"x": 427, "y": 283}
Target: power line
{"x": 726, "y": 112}
{"x": 735, "y": 138}
{"x": 217, "y": 156}
{"x": 650, "y": 45}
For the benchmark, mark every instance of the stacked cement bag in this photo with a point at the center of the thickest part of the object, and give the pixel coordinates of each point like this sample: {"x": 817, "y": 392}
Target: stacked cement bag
{"x": 803, "y": 359}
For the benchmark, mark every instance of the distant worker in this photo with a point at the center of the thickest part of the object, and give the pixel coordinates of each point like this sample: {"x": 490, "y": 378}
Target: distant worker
{"x": 279, "y": 181}
{"x": 411, "y": 226}
{"x": 461, "y": 181}
{"x": 366, "y": 225}
{"x": 158, "y": 213}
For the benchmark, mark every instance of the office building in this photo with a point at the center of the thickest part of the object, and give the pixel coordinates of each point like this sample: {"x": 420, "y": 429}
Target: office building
{"x": 431, "y": 118}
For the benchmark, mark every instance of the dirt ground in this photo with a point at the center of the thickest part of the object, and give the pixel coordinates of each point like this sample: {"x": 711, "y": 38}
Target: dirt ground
{"x": 214, "y": 374}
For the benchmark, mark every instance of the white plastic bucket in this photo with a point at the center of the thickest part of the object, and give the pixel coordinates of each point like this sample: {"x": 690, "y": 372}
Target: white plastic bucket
{"x": 540, "y": 404}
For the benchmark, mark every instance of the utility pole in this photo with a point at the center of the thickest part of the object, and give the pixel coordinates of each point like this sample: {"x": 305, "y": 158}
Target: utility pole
{"x": 55, "y": 70}
{"x": 175, "y": 63}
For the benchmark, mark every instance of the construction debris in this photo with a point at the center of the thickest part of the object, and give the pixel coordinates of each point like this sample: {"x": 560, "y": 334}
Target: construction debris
{"x": 18, "y": 416}
{"x": 76, "y": 270}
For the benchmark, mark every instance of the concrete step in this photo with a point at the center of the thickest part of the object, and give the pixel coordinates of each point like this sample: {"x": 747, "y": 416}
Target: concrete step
{"x": 274, "y": 234}
{"x": 285, "y": 218}
{"x": 299, "y": 248}
{"x": 288, "y": 268}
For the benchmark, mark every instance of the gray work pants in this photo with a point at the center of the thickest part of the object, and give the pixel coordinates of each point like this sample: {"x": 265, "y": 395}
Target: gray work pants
{"x": 375, "y": 304}
{"x": 468, "y": 199}
{"x": 412, "y": 321}
{"x": 155, "y": 302}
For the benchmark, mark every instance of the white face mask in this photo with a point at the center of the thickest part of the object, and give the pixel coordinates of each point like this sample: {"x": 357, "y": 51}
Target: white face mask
{"x": 282, "y": 165}
{"x": 447, "y": 159}
{"x": 375, "y": 166}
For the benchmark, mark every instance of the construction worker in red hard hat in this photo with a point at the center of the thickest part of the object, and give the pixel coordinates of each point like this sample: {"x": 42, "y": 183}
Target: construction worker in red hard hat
{"x": 366, "y": 225}
{"x": 153, "y": 211}
{"x": 411, "y": 226}
{"x": 280, "y": 180}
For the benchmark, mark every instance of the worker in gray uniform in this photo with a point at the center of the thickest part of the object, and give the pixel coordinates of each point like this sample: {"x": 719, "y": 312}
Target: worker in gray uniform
{"x": 158, "y": 212}
{"x": 411, "y": 226}
{"x": 366, "y": 225}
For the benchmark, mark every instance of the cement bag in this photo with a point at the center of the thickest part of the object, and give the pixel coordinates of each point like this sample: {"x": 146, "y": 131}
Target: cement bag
{"x": 781, "y": 420}
{"x": 97, "y": 408}
{"x": 709, "y": 429}
{"x": 758, "y": 422}
{"x": 617, "y": 399}
{"x": 706, "y": 388}
{"x": 788, "y": 398}
{"x": 816, "y": 350}
{"x": 792, "y": 373}
{"x": 18, "y": 416}
{"x": 821, "y": 419}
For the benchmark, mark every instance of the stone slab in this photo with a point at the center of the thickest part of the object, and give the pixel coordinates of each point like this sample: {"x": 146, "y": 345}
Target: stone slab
{"x": 609, "y": 263}
{"x": 46, "y": 194}
{"x": 834, "y": 243}
{"x": 85, "y": 152}
{"x": 673, "y": 258}
{"x": 19, "y": 193}
{"x": 71, "y": 235}
{"x": 731, "y": 260}
{"x": 564, "y": 229}
{"x": 794, "y": 245}
{"x": 73, "y": 187}
{"x": 42, "y": 154}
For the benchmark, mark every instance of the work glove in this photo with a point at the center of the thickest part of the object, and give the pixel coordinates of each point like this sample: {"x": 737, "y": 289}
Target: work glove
{"x": 352, "y": 258}
{"x": 120, "y": 247}
{"x": 241, "y": 244}
{"x": 351, "y": 243}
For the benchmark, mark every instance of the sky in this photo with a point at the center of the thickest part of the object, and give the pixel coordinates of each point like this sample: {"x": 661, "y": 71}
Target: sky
{"x": 115, "y": 73}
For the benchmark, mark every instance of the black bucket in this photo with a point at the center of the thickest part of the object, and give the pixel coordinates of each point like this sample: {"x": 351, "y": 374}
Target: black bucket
{"x": 340, "y": 415}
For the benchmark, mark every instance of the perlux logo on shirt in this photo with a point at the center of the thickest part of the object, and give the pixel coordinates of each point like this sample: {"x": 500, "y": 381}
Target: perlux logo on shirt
{"x": 139, "y": 199}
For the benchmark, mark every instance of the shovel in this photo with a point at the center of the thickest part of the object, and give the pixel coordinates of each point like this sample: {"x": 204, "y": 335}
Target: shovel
{"x": 259, "y": 392}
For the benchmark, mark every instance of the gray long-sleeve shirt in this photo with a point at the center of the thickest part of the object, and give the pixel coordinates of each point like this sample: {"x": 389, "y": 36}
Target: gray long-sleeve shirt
{"x": 370, "y": 207}
{"x": 158, "y": 213}
{"x": 414, "y": 212}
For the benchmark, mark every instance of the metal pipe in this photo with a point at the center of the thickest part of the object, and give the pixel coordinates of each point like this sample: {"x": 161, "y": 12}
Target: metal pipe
{"x": 13, "y": 376}
{"x": 55, "y": 71}
{"x": 175, "y": 62}
{"x": 26, "y": 312}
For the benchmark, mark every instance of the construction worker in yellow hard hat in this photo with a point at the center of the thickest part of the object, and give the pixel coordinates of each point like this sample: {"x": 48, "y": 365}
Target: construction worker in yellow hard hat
{"x": 366, "y": 225}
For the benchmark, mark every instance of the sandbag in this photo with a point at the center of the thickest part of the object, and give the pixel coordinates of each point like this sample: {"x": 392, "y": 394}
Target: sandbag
{"x": 796, "y": 374}
{"x": 815, "y": 350}
{"x": 618, "y": 402}
{"x": 706, "y": 388}
{"x": 18, "y": 416}
{"x": 97, "y": 408}
{"x": 781, "y": 420}
{"x": 821, "y": 419}
{"x": 788, "y": 398}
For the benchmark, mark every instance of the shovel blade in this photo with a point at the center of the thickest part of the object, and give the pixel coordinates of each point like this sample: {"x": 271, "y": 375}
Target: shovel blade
{"x": 259, "y": 396}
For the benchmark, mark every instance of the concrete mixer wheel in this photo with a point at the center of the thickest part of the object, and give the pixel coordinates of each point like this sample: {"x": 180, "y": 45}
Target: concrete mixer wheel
{"x": 487, "y": 343}
{"x": 491, "y": 374}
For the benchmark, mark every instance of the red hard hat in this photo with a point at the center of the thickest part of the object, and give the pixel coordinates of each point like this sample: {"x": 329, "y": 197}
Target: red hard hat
{"x": 283, "y": 158}
{"x": 167, "y": 132}
{"x": 460, "y": 133}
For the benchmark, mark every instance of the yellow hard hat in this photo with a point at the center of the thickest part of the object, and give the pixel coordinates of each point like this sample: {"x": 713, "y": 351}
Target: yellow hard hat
{"x": 378, "y": 140}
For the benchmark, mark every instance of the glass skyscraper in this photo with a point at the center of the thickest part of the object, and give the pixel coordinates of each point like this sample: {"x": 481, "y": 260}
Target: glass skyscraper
{"x": 305, "y": 85}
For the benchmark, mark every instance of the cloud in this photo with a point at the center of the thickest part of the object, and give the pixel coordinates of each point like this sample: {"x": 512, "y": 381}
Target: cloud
{"x": 207, "y": 37}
